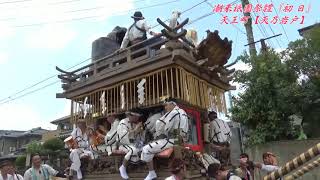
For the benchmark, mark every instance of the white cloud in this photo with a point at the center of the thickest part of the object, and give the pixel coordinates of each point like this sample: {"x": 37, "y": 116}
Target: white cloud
{"x": 57, "y": 36}
{"x": 16, "y": 116}
{"x": 65, "y": 112}
{"x": 37, "y": 11}
{"x": 243, "y": 67}
{"x": 5, "y": 30}
{"x": 50, "y": 37}
{"x": 279, "y": 50}
{"x": 4, "y": 57}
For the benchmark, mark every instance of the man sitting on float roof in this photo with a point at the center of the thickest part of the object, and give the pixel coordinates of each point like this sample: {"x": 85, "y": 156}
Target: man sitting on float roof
{"x": 137, "y": 32}
{"x": 175, "y": 119}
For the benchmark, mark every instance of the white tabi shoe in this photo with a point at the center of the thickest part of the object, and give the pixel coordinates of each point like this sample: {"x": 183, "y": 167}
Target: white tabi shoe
{"x": 123, "y": 172}
{"x": 152, "y": 175}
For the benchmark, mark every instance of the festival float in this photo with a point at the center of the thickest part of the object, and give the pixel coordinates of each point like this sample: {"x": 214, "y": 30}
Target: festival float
{"x": 169, "y": 65}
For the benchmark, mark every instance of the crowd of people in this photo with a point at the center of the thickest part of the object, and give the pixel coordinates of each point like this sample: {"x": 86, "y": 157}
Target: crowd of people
{"x": 37, "y": 171}
{"x": 140, "y": 138}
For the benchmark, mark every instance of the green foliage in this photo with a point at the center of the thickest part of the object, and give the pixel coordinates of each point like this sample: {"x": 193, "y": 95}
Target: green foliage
{"x": 53, "y": 144}
{"x": 310, "y": 106}
{"x": 21, "y": 161}
{"x": 34, "y": 147}
{"x": 270, "y": 97}
{"x": 272, "y": 93}
{"x": 303, "y": 55}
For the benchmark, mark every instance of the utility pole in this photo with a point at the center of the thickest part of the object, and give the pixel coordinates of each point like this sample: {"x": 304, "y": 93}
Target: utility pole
{"x": 263, "y": 43}
{"x": 249, "y": 31}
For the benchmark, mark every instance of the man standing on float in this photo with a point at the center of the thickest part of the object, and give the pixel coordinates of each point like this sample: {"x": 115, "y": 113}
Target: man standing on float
{"x": 137, "y": 32}
{"x": 175, "y": 119}
{"x": 220, "y": 137}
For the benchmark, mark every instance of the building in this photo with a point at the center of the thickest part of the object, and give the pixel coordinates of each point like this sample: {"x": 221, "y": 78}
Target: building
{"x": 304, "y": 30}
{"x": 64, "y": 129}
{"x": 14, "y": 142}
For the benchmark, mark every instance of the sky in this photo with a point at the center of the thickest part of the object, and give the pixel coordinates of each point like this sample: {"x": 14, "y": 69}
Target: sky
{"x": 37, "y": 35}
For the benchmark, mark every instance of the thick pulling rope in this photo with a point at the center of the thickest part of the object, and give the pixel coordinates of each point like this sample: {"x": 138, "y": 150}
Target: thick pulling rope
{"x": 304, "y": 170}
{"x": 295, "y": 163}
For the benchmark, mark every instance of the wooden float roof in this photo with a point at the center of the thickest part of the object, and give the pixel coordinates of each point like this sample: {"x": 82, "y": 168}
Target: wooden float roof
{"x": 128, "y": 64}
{"x": 217, "y": 50}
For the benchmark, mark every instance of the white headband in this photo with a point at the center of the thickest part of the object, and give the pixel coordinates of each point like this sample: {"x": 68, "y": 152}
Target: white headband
{"x": 133, "y": 114}
{"x": 168, "y": 102}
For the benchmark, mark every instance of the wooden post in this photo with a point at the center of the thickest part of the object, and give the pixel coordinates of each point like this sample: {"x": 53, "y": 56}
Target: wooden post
{"x": 295, "y": 163}
{"x": 304, "y": 170}
{"x": 249, "y": 31}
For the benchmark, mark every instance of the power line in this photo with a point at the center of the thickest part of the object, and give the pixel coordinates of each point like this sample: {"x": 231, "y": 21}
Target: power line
{"x": 280, "y": 23}
{"x": 201, "y": 17}
{"x": 44, "y": 80}
{"x": 194, "y": 6}
{"x": 11, "y": 2}
{"x": 270, "y": 28}
{"x": 262, "y": 30}
{"x": 70, "y": 11}
{"x": 222, "y": 16}
{"x": 30, "y": 92}
{"x": 37, "y": 83}
{"x": 53, "y": 3}
{"x": 90, "y": 17}
{"x": 64, "y": 2}
{"x": 184, "y": 11}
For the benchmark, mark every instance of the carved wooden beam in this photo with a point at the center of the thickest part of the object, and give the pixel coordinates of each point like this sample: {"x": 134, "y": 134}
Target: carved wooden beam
{"x": 63, "y": 71}
{"x": 231, "y": 64}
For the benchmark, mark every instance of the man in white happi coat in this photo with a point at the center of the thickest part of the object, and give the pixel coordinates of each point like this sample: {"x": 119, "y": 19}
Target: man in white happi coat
{"x": 150, "y": 124}
{"x": 76, "y": 153}
{"x": 103, "y": 137}
{"x": 175, "y": 119}
{"x": 127, "y": 130}
{"x": 137, "y": 32}
{"x": 111, "y": 136}
{"x": 80, "y": 148}
{"x": 220, "y": 136}
{"x": 80, "y": 135}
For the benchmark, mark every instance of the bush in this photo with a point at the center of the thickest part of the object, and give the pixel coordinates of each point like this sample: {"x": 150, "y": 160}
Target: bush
{"x": 53, "y": 144}
{"x": 21, "y": 161}
{"x": 34, "y": 148}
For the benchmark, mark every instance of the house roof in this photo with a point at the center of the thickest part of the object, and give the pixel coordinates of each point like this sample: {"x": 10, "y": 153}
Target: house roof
{"x": 303, "y": 30}
{"x": 60, "y": 120}
{"x": 15, "y": 134}
{"x": 10, "y": 133}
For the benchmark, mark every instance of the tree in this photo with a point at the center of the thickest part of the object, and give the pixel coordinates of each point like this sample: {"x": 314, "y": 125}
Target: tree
{"x": 34, "y": 148}
{"x": 53, "y": 144}
{"x": 269, "y": 99}
{"x": 303, "y": 56}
